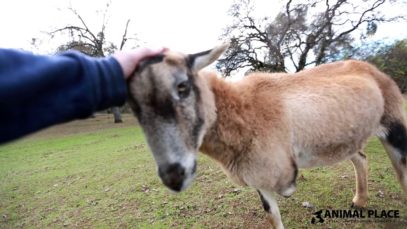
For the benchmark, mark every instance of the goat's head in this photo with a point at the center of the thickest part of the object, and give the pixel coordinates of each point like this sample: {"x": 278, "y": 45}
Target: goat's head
{"x": 167, "y": 97}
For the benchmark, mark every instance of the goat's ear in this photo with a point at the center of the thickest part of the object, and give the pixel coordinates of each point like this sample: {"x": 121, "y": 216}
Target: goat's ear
{"x": 200, "y": 60}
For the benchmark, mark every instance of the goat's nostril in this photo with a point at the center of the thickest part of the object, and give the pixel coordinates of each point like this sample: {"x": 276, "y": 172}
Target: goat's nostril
{"x": 172, "y": 175}
{"x": 175, "y": 169}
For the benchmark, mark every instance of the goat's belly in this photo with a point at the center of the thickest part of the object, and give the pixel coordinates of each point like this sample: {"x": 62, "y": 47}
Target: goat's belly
{"x": 333, "y": 146}
{"x": 331, "y": 127}
{"x": 308, "y": 158}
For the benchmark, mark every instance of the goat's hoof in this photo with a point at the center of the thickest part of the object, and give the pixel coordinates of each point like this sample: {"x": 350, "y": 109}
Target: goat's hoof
{"x": 353, "y": 205}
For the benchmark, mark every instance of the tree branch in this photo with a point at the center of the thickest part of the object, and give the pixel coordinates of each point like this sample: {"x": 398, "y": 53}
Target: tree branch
{"x": 80, "y": 30}
{"x": 83, "y": 23}
{"x": 361, "y": 18}
{"x": 124, "y": 37}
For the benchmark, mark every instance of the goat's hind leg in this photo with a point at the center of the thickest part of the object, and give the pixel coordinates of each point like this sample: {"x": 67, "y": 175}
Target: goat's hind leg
{"x": 359, "y": 162}
{"x": 271, "y": 208}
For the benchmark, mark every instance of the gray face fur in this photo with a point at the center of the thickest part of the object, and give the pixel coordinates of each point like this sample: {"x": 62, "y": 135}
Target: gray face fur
{"x": 167, "y": 101}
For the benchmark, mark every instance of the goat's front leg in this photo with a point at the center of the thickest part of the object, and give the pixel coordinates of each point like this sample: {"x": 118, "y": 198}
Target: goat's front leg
{"x": 271, "y": 208}
{"x": 359, "y": 162}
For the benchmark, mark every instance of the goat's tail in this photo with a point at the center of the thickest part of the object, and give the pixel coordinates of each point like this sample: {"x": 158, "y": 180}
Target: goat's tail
{"x": 395, "y": 144}
{"x": 393, "y": 122}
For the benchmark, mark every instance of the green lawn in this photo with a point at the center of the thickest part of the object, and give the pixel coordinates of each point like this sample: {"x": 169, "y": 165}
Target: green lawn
{"x": 92, "y": 173}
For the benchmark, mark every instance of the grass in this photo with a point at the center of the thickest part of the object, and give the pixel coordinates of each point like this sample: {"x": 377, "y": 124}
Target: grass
{"x": 92, "y": 173}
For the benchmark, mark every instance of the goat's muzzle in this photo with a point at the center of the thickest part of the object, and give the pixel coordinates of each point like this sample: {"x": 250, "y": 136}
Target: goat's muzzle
{"x": 173, "y": 176}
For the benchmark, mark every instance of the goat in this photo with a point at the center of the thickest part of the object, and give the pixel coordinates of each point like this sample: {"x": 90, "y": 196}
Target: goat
{"x": 264, "y": 127}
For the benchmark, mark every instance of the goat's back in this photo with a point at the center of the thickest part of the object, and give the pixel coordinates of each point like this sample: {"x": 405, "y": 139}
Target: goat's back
{"x": 331, "y": 108}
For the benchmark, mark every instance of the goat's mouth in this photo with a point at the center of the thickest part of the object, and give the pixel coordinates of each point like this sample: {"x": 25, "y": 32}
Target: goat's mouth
{"x": 176, "y": 177}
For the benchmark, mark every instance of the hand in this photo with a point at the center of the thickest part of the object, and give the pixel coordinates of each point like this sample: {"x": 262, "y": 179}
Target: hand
{"x": 129, "y": 60}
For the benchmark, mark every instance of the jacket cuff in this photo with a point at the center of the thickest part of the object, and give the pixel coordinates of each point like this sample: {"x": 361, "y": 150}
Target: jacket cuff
{"x": 113, "y": 87}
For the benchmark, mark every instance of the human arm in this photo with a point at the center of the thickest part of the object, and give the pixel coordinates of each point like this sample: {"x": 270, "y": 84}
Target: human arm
{"x": 38, "y": 91}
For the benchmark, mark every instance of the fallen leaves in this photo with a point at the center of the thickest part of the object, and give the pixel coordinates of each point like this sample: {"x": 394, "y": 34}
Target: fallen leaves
{"x": 307, "y": 204}
{"x": 147, "y": 189}
{"x": 380, "y": 194}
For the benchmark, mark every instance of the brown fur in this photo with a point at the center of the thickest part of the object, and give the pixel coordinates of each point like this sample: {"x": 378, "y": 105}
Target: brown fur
{"x": 252, "y": 111}
{"x": 260, "y": 129}
{"x": 253, "y": 133}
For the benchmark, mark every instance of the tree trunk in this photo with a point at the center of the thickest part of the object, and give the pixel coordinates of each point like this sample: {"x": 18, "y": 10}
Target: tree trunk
{"x": 117, "y": 115}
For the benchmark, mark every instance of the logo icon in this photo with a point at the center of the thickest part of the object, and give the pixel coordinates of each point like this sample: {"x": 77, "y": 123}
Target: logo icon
{"x": 317, "y": 218}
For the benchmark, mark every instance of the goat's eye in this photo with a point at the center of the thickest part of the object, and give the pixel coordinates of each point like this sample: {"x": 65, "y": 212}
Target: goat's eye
{"x": 183, "y": 89}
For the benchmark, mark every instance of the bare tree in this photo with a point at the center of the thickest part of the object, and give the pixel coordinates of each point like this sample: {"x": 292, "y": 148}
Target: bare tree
{"x": 391, "y": 60}
{"x": 301, "y": 34}
{"x": 92, "y": 43}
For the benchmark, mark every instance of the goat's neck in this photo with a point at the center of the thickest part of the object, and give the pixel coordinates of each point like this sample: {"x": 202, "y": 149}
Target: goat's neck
{"x": 230, "y": 136}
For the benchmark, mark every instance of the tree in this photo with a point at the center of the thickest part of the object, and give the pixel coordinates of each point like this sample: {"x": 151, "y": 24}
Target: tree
{"x": 391, "y": 59}
{"x": 302, "y": 34}
{"x": 83, "y": 39}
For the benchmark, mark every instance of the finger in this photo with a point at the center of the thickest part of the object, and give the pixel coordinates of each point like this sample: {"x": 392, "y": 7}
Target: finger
{"x": 147, "y": 52}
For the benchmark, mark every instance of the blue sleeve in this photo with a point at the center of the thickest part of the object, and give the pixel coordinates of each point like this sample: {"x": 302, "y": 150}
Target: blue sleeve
{"x": 39, "y": 91}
